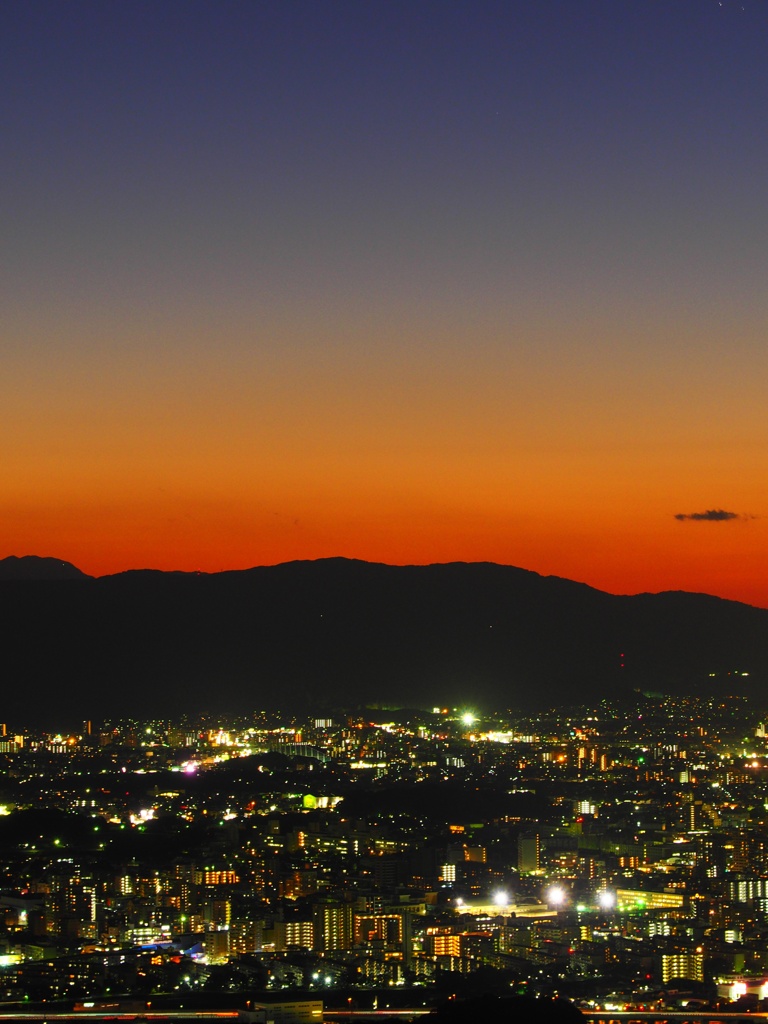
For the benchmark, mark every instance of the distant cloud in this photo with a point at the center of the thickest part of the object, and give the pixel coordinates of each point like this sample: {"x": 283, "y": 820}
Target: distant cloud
{"x": 712, "y": 515}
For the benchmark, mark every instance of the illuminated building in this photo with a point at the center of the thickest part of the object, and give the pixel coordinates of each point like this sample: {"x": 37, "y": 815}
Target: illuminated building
{"x": 689, "y": 965}
{"x": 445, "y": 945}
{"x": 642, "y": 899}
{"x": 332, "y": 926}
{"x": 300, "y": 933}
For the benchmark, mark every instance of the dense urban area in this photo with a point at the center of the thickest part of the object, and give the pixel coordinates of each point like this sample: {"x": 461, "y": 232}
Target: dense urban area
{"x": 615, "y": 855}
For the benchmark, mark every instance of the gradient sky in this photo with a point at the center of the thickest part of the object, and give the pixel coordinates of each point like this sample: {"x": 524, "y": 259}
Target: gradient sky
{"x": 404, "y": 281}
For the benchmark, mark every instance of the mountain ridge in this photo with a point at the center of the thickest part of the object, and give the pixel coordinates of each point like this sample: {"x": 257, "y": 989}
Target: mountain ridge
{"x": 77, "y": 573}
{"x": 36, "y": 567}
{"x": 328, "y": 633}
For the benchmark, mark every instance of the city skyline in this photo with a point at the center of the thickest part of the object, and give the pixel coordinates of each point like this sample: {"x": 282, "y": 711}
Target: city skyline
{"x": 609, "y": 854}
{"x": 402, "y": 282}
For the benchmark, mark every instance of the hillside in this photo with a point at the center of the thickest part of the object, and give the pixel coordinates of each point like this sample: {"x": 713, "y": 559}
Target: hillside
{"x": 316, "y": 634}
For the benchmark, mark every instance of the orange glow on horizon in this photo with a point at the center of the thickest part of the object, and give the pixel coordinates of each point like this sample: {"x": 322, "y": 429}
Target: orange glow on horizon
{"x": 194, "y": 535}
{"x": 575, "y": 465}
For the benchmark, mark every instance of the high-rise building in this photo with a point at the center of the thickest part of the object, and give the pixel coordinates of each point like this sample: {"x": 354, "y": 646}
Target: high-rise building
{"x": 332, "y": 926}
{"x": 528, "y": 852}
{"x": 687, "y": 965}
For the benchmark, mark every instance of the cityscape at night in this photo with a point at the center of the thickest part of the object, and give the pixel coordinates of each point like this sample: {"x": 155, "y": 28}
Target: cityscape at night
{"x": 614, "y": 855}
{"x": 384, "y": 511}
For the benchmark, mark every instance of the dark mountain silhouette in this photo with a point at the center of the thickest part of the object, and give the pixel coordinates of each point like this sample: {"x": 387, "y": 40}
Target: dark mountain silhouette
{"x": 32, "y": 567}
{"x": 311, "y": 635}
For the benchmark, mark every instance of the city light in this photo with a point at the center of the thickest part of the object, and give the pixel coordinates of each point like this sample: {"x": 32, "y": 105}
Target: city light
{"x": 556, "y": 895}
{"x": 469, "y": 859}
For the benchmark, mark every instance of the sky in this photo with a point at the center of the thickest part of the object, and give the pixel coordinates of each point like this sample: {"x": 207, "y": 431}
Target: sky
{"x": 410, "y": 282}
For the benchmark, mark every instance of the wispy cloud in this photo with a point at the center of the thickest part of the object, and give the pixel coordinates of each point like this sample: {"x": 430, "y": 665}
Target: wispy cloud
{"x": 712, "y": 515}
